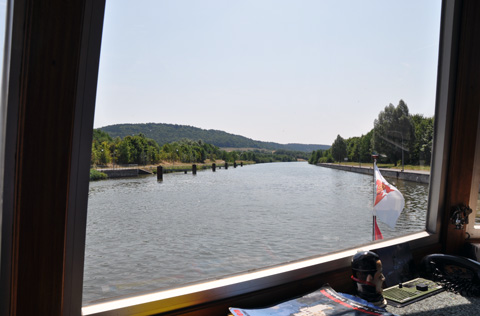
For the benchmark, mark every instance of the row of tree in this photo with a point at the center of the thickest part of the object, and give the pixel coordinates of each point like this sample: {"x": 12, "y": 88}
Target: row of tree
{"x": 164, "y": 133}
{"x": 141, "y": 150}
{"x": 395, "y": 131}
{"x": 138, "y": 149}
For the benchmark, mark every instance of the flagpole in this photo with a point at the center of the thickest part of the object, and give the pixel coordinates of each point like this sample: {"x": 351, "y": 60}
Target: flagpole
{"x": 374, "y": 196}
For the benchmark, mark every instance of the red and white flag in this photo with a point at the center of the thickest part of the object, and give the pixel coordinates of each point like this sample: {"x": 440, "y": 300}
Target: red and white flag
{"x": 389, "y": 202}
{"x": 377, "y": 234}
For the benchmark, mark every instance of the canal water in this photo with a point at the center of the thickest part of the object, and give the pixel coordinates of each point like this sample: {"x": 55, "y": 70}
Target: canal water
{"x": 144, "y": 234}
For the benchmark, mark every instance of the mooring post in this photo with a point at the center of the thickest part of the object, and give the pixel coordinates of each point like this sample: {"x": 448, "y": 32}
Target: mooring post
{"x": 213, "y": 167}
{"x": 185, "y": 171}
{"x": 241, "y": 163}
{"x": 159, "y": 173}
{"x": 194, "y": 169}
{"x": 226, "y": 165}
{"x": 234, "y": 164}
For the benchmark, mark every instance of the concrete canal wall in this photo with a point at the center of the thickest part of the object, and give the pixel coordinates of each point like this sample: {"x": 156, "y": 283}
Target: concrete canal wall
{"x": 123, "y": 172}
{"x": 408, "y": 175}
{"x": 120, "y": 173}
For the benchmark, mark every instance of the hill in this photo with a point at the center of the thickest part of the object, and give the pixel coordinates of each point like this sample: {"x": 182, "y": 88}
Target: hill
{"x": 167, "y": 133}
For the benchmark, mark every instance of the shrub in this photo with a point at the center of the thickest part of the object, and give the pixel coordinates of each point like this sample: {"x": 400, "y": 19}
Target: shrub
{"x": 97, "y": 175}
{"x": 327, "y": 159}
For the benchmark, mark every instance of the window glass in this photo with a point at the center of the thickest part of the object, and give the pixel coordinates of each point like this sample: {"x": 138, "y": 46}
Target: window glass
{"x": 3, "y": 12}
{"x": 3, "y": 114}
{"x": 274, "y": 89}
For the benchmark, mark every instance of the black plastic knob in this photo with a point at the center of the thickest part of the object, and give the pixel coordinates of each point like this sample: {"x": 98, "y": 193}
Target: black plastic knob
{"x": 422, "y": 287}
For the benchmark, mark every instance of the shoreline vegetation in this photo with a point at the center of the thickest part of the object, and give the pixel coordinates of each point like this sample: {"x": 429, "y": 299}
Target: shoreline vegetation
{"x": 97, "y": 174}
{"x": 168, "y": 167}
{"x": 385, "y": 166}
{"x": 398, "y": 137}
{"x": 141, "y": 152}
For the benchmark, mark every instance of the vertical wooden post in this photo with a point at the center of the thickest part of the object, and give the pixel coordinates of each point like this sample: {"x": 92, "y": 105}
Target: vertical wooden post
{"x": 213, "y": 167}
{"x": 465, "y": 123}
{"x": 226, "y": 165}
{"x": 159, "y": 173}
{"x": 194, "y": 169}
{"x": 55, "y": 49}
{"x": 234, "y": 164}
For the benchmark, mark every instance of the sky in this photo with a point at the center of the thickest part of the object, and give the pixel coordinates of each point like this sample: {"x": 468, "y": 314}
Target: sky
{"x": 285, "y": 71}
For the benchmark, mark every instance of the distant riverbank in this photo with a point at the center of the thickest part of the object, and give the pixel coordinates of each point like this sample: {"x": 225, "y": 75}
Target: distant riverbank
{"x": 122, "y": 171}
{"x": 407, "y": 175}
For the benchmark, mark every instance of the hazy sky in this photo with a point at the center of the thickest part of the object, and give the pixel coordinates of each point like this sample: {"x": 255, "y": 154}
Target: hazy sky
{"x": 273, "y": 70}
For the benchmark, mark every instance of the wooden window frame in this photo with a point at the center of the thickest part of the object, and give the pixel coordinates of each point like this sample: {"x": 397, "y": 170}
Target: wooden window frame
{"x": 48, "y": 97}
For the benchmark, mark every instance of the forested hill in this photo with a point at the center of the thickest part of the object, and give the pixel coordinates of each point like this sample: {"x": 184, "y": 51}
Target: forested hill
{"x": 167, "y": 133}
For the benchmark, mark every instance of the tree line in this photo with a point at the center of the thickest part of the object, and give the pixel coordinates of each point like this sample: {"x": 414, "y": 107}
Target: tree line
{"x": 140, "y": 150}
{"x": 164, "y": 133}
{"x": 395, "y": 130}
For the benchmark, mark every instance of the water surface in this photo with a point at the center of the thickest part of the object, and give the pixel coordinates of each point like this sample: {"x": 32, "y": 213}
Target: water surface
{"x": 143, "y": 234}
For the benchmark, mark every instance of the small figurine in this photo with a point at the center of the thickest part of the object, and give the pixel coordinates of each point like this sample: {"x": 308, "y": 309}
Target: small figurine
{"x": 367, "y": 273}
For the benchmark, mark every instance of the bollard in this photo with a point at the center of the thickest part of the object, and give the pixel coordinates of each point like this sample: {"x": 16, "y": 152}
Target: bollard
{"x": 234, "y": 164}
{"x": 213, "y": 167}
{"x": 194, "y": 169}
{"x": 241, "y": 163}
{"x": 226, "y": 165}
{"x": 159, "y": 173}
{"x": 185, "y": 171}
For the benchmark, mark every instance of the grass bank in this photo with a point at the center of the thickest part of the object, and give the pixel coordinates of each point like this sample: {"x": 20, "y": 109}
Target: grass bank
{"x": 385, "y": 166}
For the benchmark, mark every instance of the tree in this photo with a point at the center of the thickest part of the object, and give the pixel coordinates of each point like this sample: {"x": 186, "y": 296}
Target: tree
{"x": 353, "y": 148}
{"x": 365, "y": 147}
{"x": 393, "y": 130}
{"x": 101, "y": 136}
{"x": 123, "y": 152}
{"x": 422, "y": 148}
{"x": 339, "y": 148}
{"x": 94, "y": 155}
{"x": 315, "y": 156}
{"x": 104, "y": 155}
{"x": 426, "y": 144}
{"x": 234, "y": 156}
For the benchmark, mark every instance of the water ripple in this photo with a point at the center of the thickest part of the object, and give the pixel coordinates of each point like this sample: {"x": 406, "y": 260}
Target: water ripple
{"x": 144, "y": 235}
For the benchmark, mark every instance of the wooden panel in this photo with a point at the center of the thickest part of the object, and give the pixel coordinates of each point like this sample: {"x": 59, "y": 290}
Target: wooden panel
{"x": 50, "y": 58}
{"x": 465, "y": 121}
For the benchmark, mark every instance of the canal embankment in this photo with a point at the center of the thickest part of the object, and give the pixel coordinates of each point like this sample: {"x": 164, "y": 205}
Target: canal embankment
{"x": 407, "y": 175}
{"x": 136, "y": 170}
